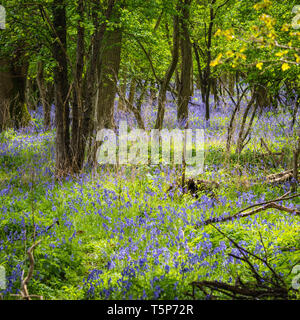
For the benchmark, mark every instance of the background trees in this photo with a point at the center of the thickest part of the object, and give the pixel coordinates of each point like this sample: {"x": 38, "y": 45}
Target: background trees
{"x": 92, "y": 52}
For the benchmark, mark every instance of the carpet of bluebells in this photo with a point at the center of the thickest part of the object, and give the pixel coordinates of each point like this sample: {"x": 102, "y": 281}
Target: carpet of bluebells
{"x": 121, "y": 235}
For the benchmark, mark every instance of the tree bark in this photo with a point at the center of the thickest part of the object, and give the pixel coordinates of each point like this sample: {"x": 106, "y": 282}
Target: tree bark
{"x": 123, "y": 87}
{"x": 143, "y": 91}
{"x": 200, "y": 72}
{"x": 168, "y": 75}
{"x": 63, "y": 160}
{"x": 43, "y": 99}
{"x": 242, "y": 134}
{"x": 296, "y": 154}
{"x": 185, "y": 84}
{"x": 77, "y": 110}
{"x": 89, "y": 88}
{"x": 295, "y": 112}
{"x": 110, "y": 64}
{"x": 13, "y": 73}
{"x": 132, "y": 90}
{"x": 207, "y": 73}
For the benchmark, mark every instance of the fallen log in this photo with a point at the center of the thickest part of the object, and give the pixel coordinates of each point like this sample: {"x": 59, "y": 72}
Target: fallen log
{"x": 280, "y": 177}
{"x": 242, "y": 291}
{"x": 194, "y": 186}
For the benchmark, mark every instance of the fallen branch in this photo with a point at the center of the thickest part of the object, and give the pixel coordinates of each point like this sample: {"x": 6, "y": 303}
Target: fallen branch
{"x": 24, "y": 291}
{"x": 24, "y": 294}
{"x": 263, "y": 287}
{"x": 262, "y": 206}
{"x": 276, "y": 178}
{"x": 280, "y": 177}
{"x": 242, "y": 292}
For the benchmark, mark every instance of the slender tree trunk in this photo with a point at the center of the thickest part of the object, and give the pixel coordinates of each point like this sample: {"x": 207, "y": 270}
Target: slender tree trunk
{"x": 200, "y": 72}
{"x": 231, "y": 82}
{"x": 242, "y": 134}
{"x": 177, "y": 77}
{"x": 207, "y": 80}
{"x": 42, "y": 89}
{"x": 296, "y": 154}
{"x": 153, "y": 93}
{"x": 135, "y": 110}
{"x": 230, "y": 127}
{"x": 143, "y": 91}
{"x": 50, "y": 94}
{"x": 77, "y": 110}
{"x": 185, "y": 84}
{"x": 132, "y": 91}
{"x": 62, "y": 120}
{"x": 233, "y": 116}
{"x": 89, "y": 87}
{"x": 168, "y": 76}
{"x": 31, "y": 94}
{"x": 295, "y": 112}
{"x": 214, "y": 83}
{"x": 121, "y": 102}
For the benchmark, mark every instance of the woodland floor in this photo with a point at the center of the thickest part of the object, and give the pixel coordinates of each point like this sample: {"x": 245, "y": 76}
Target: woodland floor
{"x": 121, "y": 235}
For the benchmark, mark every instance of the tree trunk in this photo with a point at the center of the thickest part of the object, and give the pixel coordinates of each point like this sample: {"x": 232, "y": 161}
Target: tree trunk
{"x": 262, "y": 97}
{"x": 200, "y": 78}
{"x": 242, "y": 136}
{"x": 110, "y": 64}
{"x": 295, "y": 112}
{"x": 185, "y": 84}
{"x": 141, "y": 98}
{"x": 214, "y": 86}
{"x": 231, "y": 83}
{"x": 6, "y": 87}
{"x": 207, "y": 77}
{"x": 123, "y": 87}
{"x": 13, "y": 76}
{"x": 62, "y": 120}
{"x": 153, "y": 93}
{"x": 77, "y": 110}
{"x": 230, "y": 127}
{"x": 31, "y": 94}
{"x": 132, "y": 91}
{"x": 89, "y": 90}
{"x": 42, "y": 89}
{"x": 168, "y": 76}
{"x": 296, "y": 154}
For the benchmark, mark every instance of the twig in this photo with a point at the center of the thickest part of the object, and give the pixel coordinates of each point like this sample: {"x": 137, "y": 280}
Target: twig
{"x": 24, "y": 290}
{"x": 24, "y": 294}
